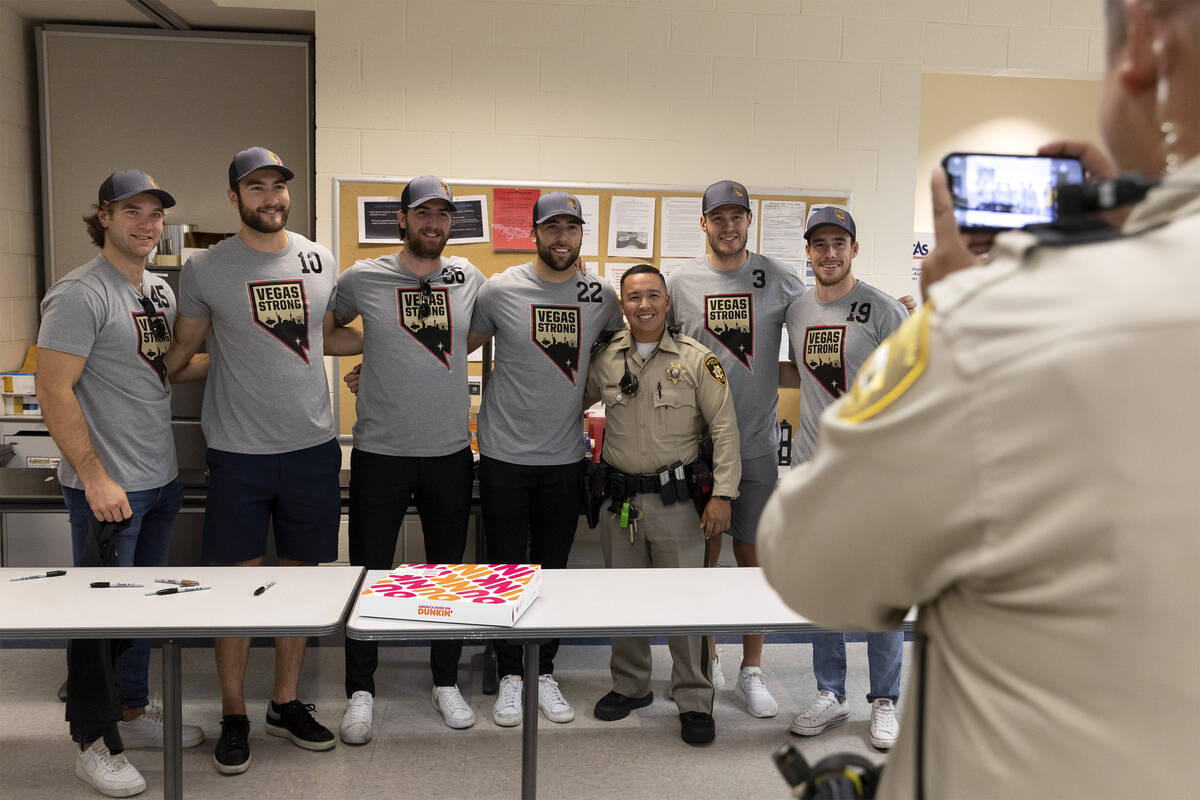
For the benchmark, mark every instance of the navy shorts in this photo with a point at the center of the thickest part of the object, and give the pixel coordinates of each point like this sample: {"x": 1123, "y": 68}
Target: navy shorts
{"x": 759, "y": 476}
{"x": 297, "y": 492}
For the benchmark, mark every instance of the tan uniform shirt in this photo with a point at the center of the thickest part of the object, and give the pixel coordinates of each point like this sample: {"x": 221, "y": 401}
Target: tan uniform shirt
{"x": 1021, "y": 463}
{"x": 682, "y": 387}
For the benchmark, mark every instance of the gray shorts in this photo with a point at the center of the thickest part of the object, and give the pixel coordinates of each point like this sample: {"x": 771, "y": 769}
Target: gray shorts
{"x": 759, "y": 476}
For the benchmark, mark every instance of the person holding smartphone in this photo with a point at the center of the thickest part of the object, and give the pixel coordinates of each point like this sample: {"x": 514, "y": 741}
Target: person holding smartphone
{"x": 1017, "y": 461}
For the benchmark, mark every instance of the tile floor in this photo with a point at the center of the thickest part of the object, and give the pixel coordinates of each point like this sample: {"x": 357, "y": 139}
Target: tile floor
{"x": 413, "y": 754}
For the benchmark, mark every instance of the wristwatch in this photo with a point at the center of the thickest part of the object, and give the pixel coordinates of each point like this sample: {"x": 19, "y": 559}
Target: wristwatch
{"x": 724, "y": 497}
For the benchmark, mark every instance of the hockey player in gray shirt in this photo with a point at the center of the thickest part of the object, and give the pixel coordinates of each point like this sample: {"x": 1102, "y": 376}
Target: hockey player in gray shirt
{"x": 264, "y": 298}
{"x": 106, "y": 399}
{"x": 733, "y": 301}
{"x": 411, "y": 437}
{"x": 545, "y": 316}
{"x": 833, "y": 332}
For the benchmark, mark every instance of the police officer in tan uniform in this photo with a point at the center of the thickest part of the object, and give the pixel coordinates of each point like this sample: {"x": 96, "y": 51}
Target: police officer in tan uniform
{"x": 660, "y": 390}
{"x": 1020, "y": 460}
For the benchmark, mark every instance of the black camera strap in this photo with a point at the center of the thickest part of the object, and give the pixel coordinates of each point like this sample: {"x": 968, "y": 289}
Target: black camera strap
{"x": 919, "y": 644}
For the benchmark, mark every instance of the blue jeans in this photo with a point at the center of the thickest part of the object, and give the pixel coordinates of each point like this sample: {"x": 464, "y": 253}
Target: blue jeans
{"x": 884, "y": 654}
{"x": 143, "y": 544}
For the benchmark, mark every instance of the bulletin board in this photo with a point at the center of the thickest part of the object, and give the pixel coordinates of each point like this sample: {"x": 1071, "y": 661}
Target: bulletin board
{"x": 348, "y": 248}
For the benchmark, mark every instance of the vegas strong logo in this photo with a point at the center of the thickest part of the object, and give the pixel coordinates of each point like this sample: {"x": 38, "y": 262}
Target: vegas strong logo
{"x": 555, "y": 331}
{"x": 281, "y": 309}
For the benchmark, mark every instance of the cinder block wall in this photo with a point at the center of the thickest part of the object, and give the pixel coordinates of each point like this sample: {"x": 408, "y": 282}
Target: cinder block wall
{"x": 20, "y": 210}
{"x": 776, "y": 93}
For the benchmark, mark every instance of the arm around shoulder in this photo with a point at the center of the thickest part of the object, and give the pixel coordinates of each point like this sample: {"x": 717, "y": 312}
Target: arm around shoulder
{"x": 186, "y": 340}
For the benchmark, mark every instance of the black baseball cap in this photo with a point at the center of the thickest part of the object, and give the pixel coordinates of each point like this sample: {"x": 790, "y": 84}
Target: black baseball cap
{"x": 423, "y": 189}
{"x": 126, "y": 183}
{"x": 554, "y": 204}
{"x": 253, "y": 158}
{"x": 725, "y": 193}
{"x": 831, "y": 215}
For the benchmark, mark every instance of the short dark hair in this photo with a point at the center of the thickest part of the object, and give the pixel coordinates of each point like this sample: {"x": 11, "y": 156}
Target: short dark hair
{"x": 95, "y": 230}
{"x": 642, "y": 269}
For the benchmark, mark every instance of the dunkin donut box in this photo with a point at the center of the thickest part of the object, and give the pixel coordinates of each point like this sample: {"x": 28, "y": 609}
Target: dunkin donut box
{"x": 477, "y": 594}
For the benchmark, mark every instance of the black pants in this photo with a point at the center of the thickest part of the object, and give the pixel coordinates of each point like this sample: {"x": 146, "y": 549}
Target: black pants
{"x": 529, "y": 516}
{"x": 381, "y": 489}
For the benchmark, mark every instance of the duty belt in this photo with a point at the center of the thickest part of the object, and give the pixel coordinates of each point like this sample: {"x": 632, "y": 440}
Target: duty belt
{"x": 635, "y": 484}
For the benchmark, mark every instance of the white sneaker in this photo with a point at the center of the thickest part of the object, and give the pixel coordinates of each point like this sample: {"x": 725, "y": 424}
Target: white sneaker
{"x": 356, "y": 722}
{"x": 146, "y": 732}
{"x": 456, "y": 712}
{"x": 551, "y": 701}
{"x": 715, "y": 674}
{"x": 507, "y": 710}
{"x": 884, "y": 725}
{"x": 753, "y": 691}
{"x": 108, "y": 774}
{"x": 825, "y": 712}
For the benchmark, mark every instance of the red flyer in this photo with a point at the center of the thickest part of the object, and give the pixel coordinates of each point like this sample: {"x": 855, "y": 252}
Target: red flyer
{"x": 512, "y": 217}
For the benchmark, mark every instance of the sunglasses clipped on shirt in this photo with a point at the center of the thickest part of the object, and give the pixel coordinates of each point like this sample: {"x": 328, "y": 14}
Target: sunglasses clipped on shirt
{"x": 157, "y": 324}
{"x": 424, "y": 309}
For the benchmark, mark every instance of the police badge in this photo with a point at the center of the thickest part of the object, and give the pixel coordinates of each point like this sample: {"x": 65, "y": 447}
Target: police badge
{"x": 676, "y": 372}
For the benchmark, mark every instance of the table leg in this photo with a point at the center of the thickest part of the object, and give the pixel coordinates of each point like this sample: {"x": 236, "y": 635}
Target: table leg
{"x": 491, "y": 683}
{"x": 529, "y": 729}
{"x": 172, "y": 721}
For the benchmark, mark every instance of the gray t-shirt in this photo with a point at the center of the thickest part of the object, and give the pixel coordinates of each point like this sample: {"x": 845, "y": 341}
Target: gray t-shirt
{"x": 94, "y": 312}
{"x": 829, "y": 342}
{"x": 738, "y": 314}
{"x": 532, "y": 410}
{"x": 266, "y": 389}
{"x": 412, "y": 394}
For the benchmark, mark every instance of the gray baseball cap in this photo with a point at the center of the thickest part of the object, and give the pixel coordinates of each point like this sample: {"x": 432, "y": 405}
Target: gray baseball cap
{"x": 253, "y": 158}
{"x": 423, "y": 189}
{"x": 127, "y": 182}
{"x": 725, "y": 193}
{"x": 554, "y": 204}
{"x": 831, "y": 215}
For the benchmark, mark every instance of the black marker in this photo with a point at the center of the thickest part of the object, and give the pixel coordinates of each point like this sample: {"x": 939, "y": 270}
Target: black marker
{"x": 262, "y": 589}
{"x": 54, "y": 573}
{"x": 109, "y": 585}
{"x": 178, "y": 589}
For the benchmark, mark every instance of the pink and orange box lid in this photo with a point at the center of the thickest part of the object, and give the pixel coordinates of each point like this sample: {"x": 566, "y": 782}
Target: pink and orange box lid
{"x": 476, "y": 594}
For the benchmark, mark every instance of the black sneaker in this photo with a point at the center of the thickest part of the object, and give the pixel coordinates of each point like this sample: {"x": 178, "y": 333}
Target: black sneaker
{"x": 295, "y": 721}
{"x": 232, "y": 756}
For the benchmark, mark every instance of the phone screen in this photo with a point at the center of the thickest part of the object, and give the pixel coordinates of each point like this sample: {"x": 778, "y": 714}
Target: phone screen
{"x": 997, "y": 192}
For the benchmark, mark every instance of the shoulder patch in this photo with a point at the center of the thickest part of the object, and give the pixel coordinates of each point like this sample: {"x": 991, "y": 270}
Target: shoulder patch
{"x": 890, "y": 371}
{"x": 713, "y": 367}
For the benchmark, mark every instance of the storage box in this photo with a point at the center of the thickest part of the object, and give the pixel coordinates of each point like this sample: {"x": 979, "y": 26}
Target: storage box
{"x": 21, "y": 405}
{"x": 17, "y": 383}
{"x": 477, "y": 594}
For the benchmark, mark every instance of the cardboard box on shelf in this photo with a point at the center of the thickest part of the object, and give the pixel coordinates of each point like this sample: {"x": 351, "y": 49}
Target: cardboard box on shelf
{"x": 17, "y": 383}
{"x": 479, "y": 594}
{"x": 21, "y": 405}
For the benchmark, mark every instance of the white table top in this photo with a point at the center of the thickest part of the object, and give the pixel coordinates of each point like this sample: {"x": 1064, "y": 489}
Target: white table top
{"x": 608, "y": 602}
{"x": 305, "y": 601}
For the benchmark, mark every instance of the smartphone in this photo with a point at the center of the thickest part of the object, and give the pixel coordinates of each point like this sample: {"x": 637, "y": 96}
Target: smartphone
{"x": 994, "y": 192}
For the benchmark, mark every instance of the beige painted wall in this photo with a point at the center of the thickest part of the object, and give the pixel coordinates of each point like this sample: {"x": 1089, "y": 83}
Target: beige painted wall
{"x": 777, "y": 93}
{"x": 970, "y": 113}
{"x": 20, "y": 210}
